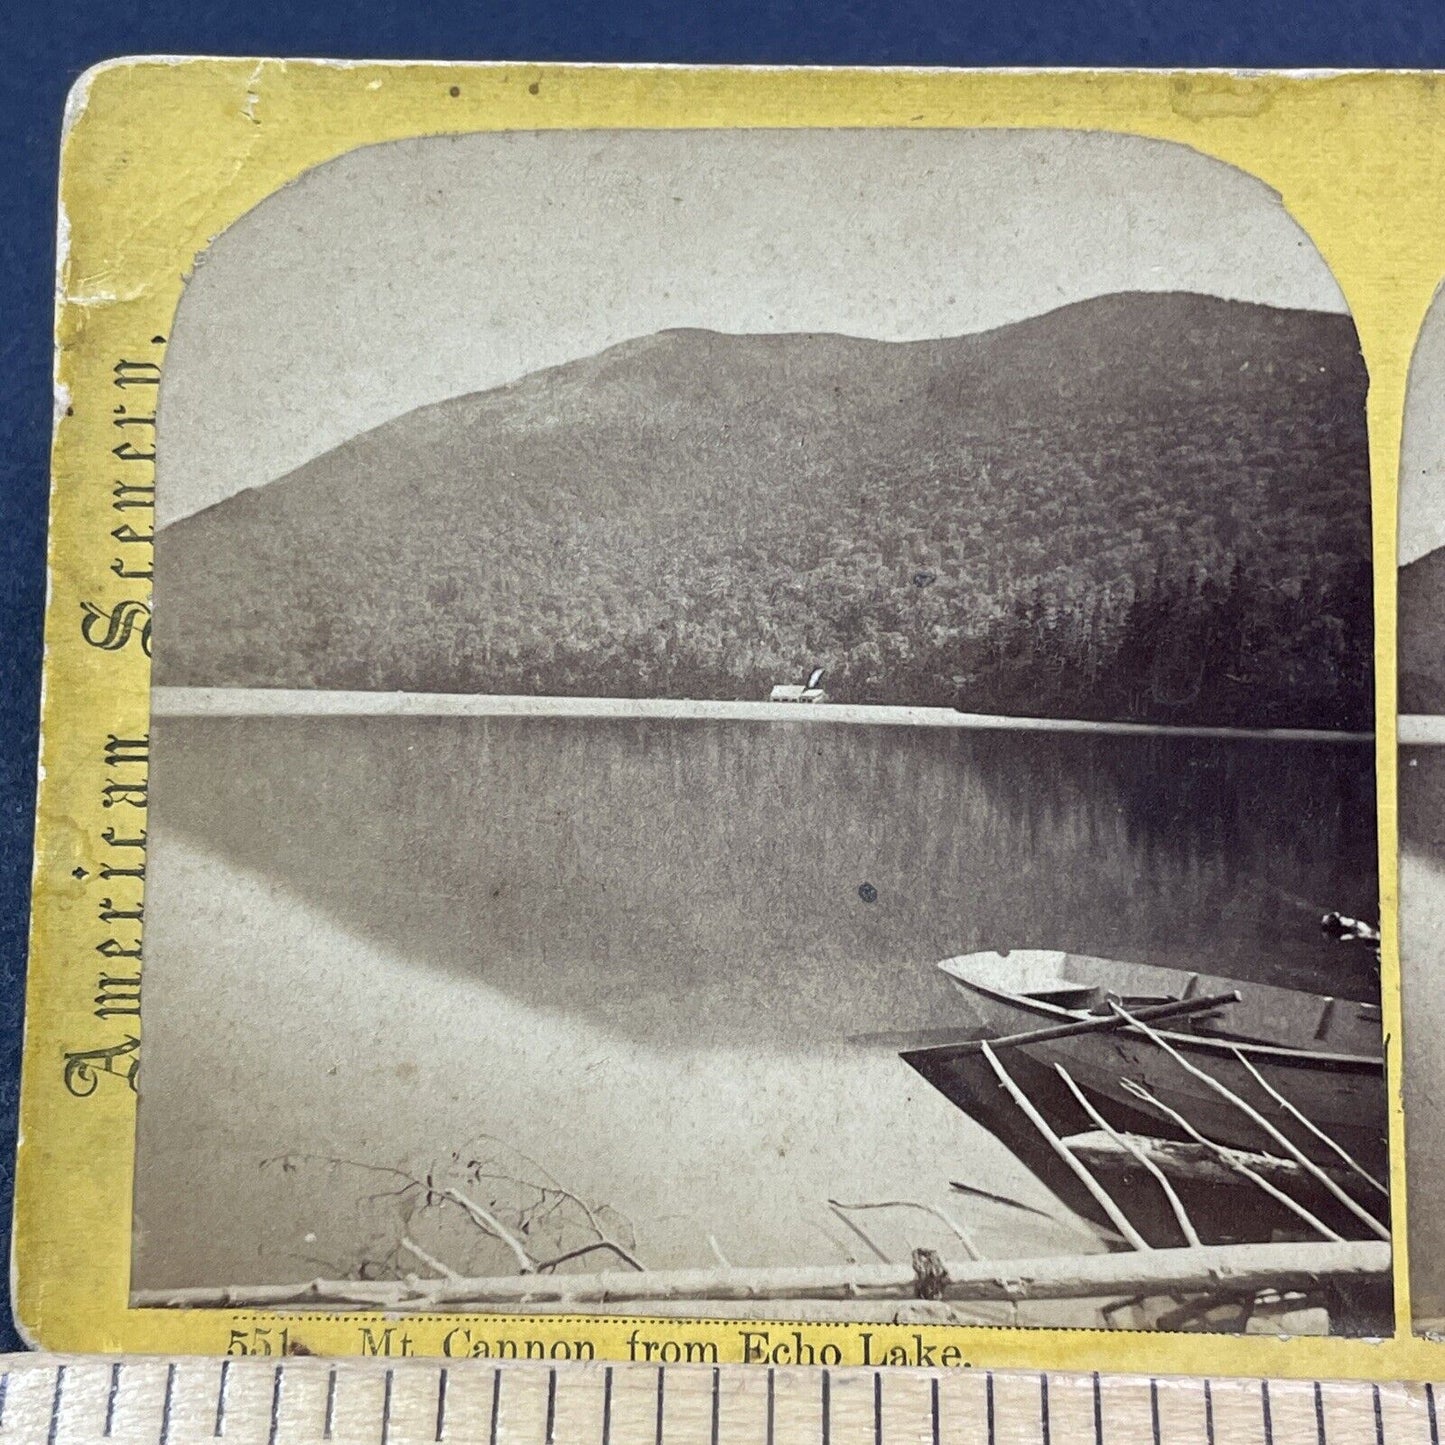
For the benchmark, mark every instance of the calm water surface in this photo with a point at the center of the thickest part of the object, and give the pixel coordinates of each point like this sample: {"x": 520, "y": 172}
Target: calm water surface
{"x": 639, "y": 950}
{"x": 787, "y": 880}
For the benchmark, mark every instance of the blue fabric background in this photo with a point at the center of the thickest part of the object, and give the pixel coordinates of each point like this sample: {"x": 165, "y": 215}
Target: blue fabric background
{"x": 48, "y": 45}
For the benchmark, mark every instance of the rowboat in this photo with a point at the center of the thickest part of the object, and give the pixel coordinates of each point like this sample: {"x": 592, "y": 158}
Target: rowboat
{"x": 1311, "y": 1065}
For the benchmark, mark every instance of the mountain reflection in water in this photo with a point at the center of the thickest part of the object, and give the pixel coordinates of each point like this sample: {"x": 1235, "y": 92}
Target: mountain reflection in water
{"x": 746, "y": 882}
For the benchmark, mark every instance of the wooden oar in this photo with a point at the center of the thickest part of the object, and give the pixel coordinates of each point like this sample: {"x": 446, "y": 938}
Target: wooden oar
{"x": 1097, "y": 1024}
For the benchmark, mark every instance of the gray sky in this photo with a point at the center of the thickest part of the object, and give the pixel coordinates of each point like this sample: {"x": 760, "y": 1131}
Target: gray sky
{"x": 1422, "y": 448}
{"x": 403, "y": 273}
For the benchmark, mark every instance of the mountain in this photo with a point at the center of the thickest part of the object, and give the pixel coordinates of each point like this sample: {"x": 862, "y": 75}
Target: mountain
{"x": 1421, "y": 612}
{"x": 984, "y": 519}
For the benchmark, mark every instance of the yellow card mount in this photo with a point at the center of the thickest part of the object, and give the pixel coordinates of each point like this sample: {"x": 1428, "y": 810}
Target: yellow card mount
{"x": 706, "y": 718}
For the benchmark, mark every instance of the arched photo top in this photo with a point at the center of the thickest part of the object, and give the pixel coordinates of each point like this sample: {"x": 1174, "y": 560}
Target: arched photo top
{"x": 407, "y": 272}
{"x": 661, "y": 415}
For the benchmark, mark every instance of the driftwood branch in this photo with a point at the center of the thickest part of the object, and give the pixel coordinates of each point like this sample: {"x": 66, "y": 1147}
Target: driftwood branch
{"x": 526, "y": 1216}
{"x": 1093, "y": 1024}
{"x": 853, "y": 1225}
{"x": 1181, "y": 1214}
{"x": 1236, "y": 1269}
{"x": 488, "y": 1222}
{"x": 1105, "y": 1200}
{"x": 942, "y": 1215}
{"x": 431, "y": 1262}
{"x": 1232, "y": 1159}
{"x": 592, "y": 1248}
{"x": 1061, "y": 1216}
{"x": 1344, "y": 1154}
{"x": 1255, "y": 1117}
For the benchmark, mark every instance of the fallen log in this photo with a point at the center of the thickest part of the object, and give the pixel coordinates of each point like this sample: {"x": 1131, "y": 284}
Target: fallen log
{"x": 1191, "y": 1163}
{"x": 1236, "y": 1269}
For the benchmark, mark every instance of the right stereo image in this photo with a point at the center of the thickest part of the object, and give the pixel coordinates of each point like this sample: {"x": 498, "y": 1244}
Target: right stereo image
{"x": 1421, "y": 675}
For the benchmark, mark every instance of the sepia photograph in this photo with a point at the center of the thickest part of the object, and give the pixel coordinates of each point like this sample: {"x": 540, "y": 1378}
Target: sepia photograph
{"x": 777, "y": 724}
{"x": 1421, "y": 782}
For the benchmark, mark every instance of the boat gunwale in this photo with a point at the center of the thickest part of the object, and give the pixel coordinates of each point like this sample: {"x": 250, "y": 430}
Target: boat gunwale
{"x": 1273, "y": 1053}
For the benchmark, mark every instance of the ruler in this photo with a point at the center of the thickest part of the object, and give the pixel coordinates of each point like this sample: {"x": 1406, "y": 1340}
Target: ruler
{"x": 140, "y": 1400}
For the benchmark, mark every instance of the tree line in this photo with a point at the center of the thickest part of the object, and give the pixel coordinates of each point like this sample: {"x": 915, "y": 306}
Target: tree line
{"x": 1184, "y": 646}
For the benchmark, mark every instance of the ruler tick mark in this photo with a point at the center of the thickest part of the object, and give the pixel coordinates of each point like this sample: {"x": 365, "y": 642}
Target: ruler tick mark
{"x": 55, "y": 1404}
{"x": 110, "y": 1395}
{"x": 221, "y": 1399}
{"x": 386, "y": 1390}
{"x": 276, "y": 1387}
{"x": 167, "y": 1403}
{"x": 174, "y": 1426}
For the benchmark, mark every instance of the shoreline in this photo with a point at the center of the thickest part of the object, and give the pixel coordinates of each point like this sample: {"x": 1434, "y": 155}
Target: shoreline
{"x": 305, "y": 702}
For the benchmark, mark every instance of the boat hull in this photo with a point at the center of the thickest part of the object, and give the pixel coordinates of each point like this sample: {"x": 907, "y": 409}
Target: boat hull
{"x": 1341, "y": 1093}
{"x": 1225, "y": 1210}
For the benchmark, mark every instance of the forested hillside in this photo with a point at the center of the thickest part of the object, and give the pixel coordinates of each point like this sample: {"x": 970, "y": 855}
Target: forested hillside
{"x": 1150, "y": 507}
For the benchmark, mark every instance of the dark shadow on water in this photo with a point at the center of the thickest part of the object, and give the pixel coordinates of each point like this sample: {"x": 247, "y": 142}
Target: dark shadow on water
{"x": 778, "y": 883}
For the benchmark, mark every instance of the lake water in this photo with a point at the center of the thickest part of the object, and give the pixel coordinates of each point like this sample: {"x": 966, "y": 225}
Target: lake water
{"x": 640, "y": 951}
